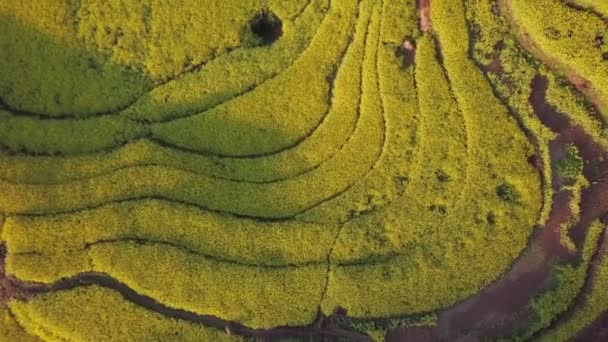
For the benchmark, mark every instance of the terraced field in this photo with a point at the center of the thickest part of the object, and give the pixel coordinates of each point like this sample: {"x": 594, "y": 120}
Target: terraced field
{"x": 315, "y": 170}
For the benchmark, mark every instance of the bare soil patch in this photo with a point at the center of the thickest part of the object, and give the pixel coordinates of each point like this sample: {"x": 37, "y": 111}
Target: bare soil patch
{"x": 598, "y": 331}
{"x": 425, "y": 15}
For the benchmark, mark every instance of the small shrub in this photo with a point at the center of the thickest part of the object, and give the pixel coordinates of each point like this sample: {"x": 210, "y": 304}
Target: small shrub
{"x": 571, "y": 165}
{"x": 506, "y": 192}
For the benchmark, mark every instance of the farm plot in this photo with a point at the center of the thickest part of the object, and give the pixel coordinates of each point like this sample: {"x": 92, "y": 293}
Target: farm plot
{"x": 307, "y": 169}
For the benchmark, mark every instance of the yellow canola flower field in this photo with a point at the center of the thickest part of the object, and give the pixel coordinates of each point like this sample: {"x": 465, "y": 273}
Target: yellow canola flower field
{"x": 228, "y": 170}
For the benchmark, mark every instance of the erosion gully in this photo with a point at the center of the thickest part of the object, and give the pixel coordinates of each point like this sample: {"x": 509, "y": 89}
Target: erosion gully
{"x": 501, "y": 309}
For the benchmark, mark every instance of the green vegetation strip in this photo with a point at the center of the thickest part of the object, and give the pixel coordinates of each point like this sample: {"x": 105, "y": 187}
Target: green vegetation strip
{"x": 232, "y": 74}
{"x": 569, "y": 282}
{"x": 568, "y": 36}
{"x": 513, "y": 84}
{"x": 594, "y": 304}
{"x": 246, "y": 120}
{"x": 228, "y": 290}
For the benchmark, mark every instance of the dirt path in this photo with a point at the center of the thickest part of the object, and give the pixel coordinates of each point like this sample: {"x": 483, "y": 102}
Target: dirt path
{"x": 4, "y": 294}
{"x": 594, "y": 201}
{"x": 580, "y": 300}
{"x": 501, "y": 309}
{"x": 415, "y": 334}
{"x": 547, "y": 114}
{"x": 424, "y": 6}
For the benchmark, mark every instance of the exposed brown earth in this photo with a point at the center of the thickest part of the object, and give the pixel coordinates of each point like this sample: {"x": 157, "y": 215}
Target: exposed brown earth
{"x": 598, "y": 331}
{"x": 546, "y": 113}
{"x": 425, "y": 15}
{"x": 418, "y": 334}
{"x": 502, "y": 308}
{"x": 495, "y": 66}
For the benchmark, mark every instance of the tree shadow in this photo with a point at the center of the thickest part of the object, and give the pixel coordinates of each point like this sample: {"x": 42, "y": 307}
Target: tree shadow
{"x": 59, "y": 80}
{"x": 43, "y": 75}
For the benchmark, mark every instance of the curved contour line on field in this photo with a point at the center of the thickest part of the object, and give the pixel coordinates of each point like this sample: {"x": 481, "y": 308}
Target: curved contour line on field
{"x": 153, "y": 192}
{"x": 194, "y": 69}
{"x": 217, "y": 168}
{"x": 145, "y": 132}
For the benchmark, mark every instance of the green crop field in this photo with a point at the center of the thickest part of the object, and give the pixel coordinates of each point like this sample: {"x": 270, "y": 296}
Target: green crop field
{"x": 303, "y": 170}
